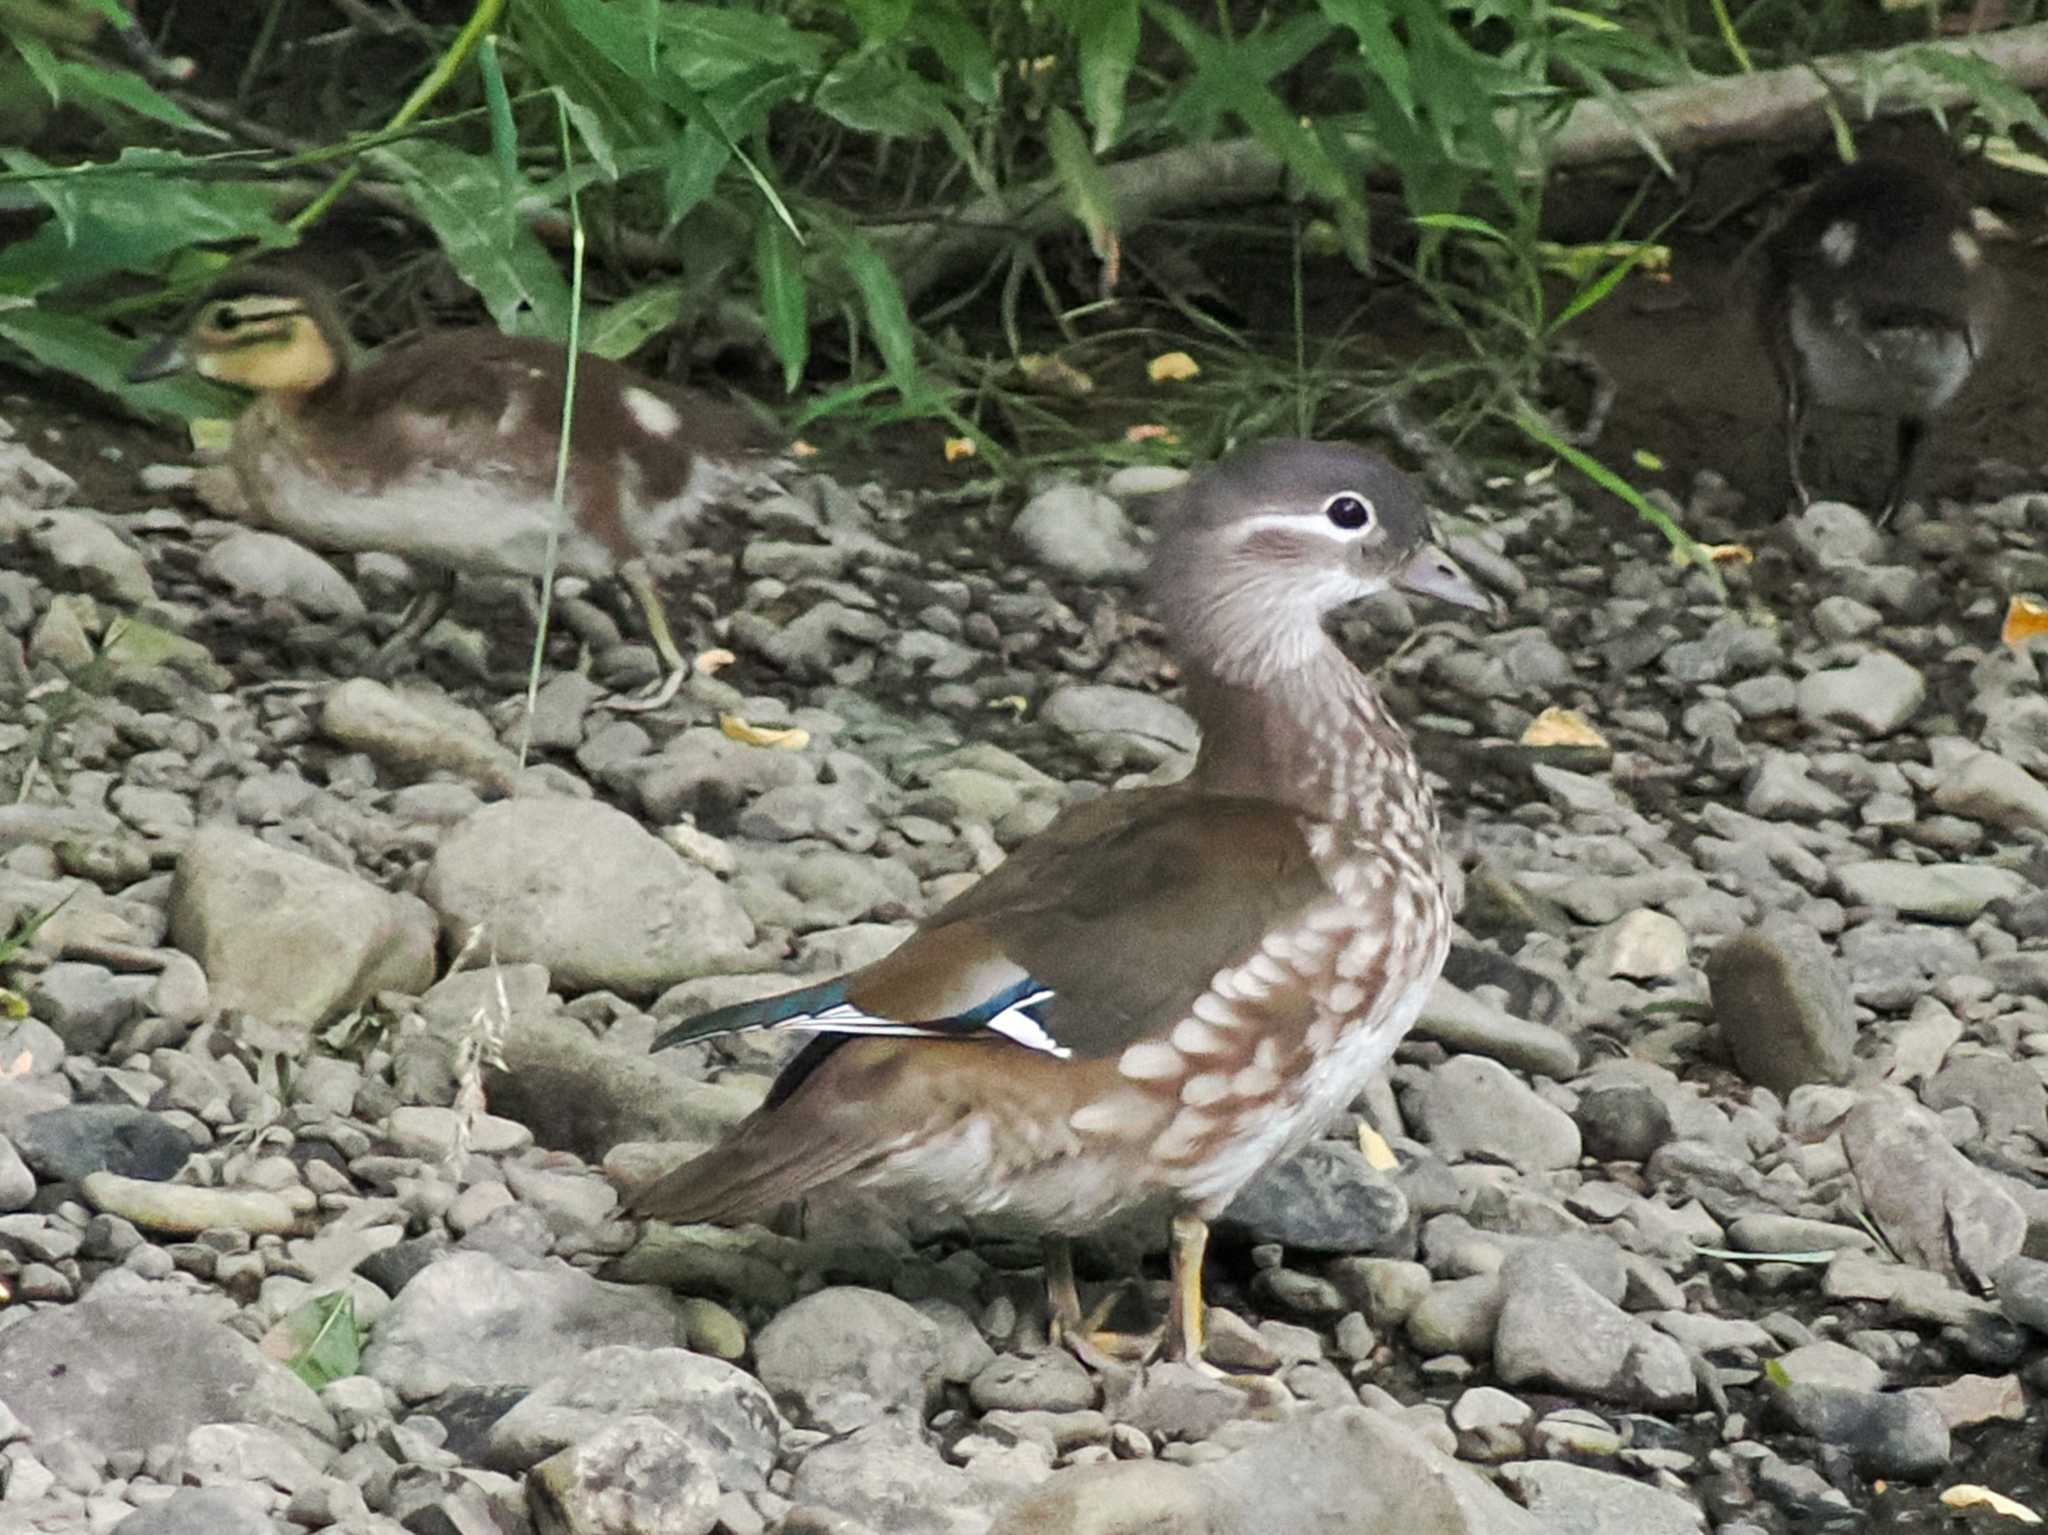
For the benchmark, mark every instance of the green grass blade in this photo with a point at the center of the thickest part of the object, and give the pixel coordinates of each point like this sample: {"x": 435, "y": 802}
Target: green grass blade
{"x": 779, "y": 277}
{"x": 1682, "y": 542}
{"x": 887, "y": 318}
{"x": 504, "y": 137}
{"x": 1088, "y": 190}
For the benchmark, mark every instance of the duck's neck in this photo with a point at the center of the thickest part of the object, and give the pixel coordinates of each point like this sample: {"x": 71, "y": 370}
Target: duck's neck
{"x": 1316, "y": 737}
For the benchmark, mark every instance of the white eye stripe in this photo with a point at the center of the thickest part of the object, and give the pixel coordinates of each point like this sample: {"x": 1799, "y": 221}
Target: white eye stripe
{"x": 1297, "y": 522}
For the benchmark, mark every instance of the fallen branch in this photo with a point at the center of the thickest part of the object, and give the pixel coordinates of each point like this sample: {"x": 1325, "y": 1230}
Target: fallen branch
{"x": 1680, "y": 119}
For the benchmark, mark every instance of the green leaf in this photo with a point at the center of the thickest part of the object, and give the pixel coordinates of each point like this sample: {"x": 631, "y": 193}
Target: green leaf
{"x": 1235, "y": 75}
{"x": 1381, "y": 50}
{"x": 1463, "y": 223}
{"x": 41, "y": 62}
{"x": 875, "y": 94}
{"x": 112, "y": 12}
{"x": 504, "y": 137}
{"x": 590, "y": 129}
{"x": 707, "y": 43}
{"x": 1596, "y": 290}
{"x": 880, "y": 21}
{"x": 779, "y": 275}
{"x": 1997, "y": 97}
{"x": 327, "y": 1344}
{"x": 1225, "y": 70}
{"x": 621, "y": 329}
{"x": 1602, "y": 89}
{"x": 62, "y": 343}
{"x": 702, "y": 47}
{"x": 699, "y": 158}
{"x": 962, "y": 48}
{"x": 93, "y": 86}
{"x": 460, "y": 197}
{"x": 888, "y": 319}
{"x": 1106, "y": 32}
{"x": 1088, "y": 190}
{"x": 560, "y": 53}
{"x": 89, "y": 86}
{"x": 128, "y": 216}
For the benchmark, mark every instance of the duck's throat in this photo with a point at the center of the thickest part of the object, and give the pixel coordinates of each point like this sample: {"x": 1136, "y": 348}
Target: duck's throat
{"x": 1318, "y": 739}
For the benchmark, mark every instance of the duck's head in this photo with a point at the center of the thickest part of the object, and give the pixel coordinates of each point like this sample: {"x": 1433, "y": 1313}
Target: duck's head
{"x": 1267, "y": 543}
{"x": 274, "y": 334}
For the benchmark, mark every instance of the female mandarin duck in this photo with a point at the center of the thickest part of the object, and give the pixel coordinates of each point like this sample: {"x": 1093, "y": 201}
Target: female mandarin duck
{"x": 443, "y": 447}
{"x": 1168, "y": 989}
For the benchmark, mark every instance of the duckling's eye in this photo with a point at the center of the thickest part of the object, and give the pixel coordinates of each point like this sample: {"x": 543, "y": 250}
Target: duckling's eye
{"x": 226, "y": 317}
{"x": 1348, "y": 511}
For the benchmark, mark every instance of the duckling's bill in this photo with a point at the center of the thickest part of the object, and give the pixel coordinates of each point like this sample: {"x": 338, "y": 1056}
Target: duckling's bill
{"x": 168, "y": 356}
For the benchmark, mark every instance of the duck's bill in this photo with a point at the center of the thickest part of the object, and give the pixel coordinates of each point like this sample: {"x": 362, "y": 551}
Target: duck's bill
{"x": 160, "y": 361}
{"x": 1432, "y": 573}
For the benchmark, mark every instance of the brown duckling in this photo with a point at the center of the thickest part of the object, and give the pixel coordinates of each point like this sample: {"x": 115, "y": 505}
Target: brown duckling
{"x": 443, "y": 447}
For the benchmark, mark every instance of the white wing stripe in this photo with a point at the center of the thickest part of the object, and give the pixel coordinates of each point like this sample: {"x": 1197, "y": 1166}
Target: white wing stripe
{"x": 1014, "y": 1023}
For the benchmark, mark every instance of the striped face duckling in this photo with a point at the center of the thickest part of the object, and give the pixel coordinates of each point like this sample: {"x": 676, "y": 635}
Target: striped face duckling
{"x": 442, "y": 447}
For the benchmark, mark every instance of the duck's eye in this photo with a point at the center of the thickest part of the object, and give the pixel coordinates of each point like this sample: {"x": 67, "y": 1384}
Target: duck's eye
{"x": 226, "y": 317}
{"x": 1348, "y": 511}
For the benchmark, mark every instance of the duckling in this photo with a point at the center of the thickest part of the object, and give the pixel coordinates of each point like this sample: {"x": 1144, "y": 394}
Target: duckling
{"x": 1876, "y": 297}
{"x": 443, "y": 447}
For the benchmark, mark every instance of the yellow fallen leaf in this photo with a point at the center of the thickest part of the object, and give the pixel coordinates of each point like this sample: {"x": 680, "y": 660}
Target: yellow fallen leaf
{"x": 710, "y": 663}
{"x": 1151, "y": 432}
{"x": 958, "y": 448}
{"x": 211, "y": 434}
{"x": 1054, "y": 376}
{"x": 1379, "y": 1156}
{"x": 791, "y": 739}
{"x": 1016, "y": 703}
{"x": 1562, "y": 727}
{"x": 802, "y": 449}
{"x": 13, "y": 1005}
{"x": 2025, "y": 616}
{"x": 1719, "y": 554}
{"x": 1172, "y": 368}
{"x": 1969, "y": 1495}
{"x": 1645, "y": 459}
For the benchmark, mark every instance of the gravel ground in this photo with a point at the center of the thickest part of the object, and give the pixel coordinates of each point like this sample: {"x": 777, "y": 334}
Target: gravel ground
{"x": 1717, "y": 1194}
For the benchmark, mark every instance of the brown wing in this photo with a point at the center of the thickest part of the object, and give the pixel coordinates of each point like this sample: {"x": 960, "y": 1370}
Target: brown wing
{"x": 1125, "y": 907}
